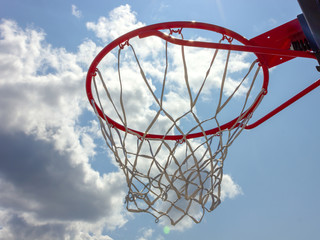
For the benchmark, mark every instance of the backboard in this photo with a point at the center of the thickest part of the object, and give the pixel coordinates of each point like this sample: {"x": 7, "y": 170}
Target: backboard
{"x": 310, "y": 23}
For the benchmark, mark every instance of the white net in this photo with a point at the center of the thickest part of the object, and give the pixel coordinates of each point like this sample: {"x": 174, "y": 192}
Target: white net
{"x": 183, "y": 177}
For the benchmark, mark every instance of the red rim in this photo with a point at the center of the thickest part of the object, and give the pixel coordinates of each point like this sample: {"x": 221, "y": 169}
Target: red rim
{"x": 169, "y": 25}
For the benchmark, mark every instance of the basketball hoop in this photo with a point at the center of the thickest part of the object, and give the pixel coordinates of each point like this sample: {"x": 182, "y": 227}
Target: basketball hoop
{"x": 172, "y": 170}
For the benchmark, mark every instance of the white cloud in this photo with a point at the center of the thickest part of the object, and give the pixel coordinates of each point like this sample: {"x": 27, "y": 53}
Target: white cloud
{"x": 75, "y": 11}
{"x": 120, "y": 21}
{"x": 229, "y": 188}
{"x": 146, "y": 234}
{"x": 46, "y": 182}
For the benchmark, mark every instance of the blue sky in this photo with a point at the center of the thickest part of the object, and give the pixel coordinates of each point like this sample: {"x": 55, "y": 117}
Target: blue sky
{"x": 56, "y": 178}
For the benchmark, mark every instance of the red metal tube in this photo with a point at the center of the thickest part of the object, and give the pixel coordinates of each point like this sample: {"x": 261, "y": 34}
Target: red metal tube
{"x": 285, "y": 104}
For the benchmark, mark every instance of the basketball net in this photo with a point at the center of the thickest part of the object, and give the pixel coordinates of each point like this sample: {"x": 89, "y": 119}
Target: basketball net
{"x": 174, "y": 178}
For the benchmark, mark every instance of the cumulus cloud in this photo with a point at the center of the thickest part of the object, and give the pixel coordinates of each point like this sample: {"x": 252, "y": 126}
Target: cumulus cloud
{"x": 146, "y": 234}
{"x": 120, "y": 21}
{"x": 230, "y": 188}
{"x": 49, "y": 190}
{"x": 46, "y": 181}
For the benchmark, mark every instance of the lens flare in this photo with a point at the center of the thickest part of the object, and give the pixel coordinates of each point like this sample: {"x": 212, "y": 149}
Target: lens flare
{"x": 166, "y": 230}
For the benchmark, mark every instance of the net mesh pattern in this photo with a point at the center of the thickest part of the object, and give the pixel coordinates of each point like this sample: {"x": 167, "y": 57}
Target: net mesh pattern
{"x": 173, "y": 178}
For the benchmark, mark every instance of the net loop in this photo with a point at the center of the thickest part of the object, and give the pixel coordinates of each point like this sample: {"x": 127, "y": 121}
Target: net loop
{"x": 225, "y": 37}
{"x": 122, "y": 45}
{"x": 175, "y": 31}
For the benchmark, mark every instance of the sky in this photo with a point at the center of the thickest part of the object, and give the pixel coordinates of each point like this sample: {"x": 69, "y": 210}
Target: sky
{"x": 59, "y": 181}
